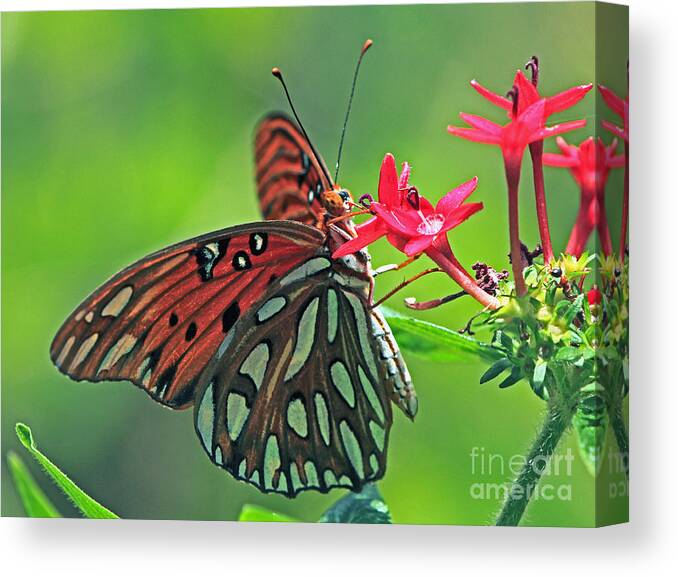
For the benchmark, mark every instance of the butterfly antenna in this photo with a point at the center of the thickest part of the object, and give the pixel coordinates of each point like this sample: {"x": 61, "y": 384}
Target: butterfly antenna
{"x": 365, "y": 48}
{"x": 276, "y": 72}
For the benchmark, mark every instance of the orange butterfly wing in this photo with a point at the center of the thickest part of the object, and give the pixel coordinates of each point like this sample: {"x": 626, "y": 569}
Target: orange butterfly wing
{"x": 290, "y": 176}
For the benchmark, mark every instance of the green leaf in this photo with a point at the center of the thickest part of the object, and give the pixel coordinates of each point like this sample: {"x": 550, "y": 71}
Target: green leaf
{"x": 539, "y": 373}
{"x": 35, "y": 502}
{"x": 515, "y": 376}
{"x": 88, "y": 506}
{"x": 365, "y": 507}
{"x": 495, "y": 370}
{"x": 590, "y": 421}
{"x": 436, "y": 343}
{"x": 574, "y": 309}
{"x": 261, "y": 514}
{"x": 568, "y": 354}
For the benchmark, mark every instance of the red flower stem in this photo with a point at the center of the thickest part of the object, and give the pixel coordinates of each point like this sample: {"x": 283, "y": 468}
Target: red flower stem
{"x": 461, "y": 277}
{"x": 603, "y": 228}
{"x": 625, "y": 206}
{"x": 512, "y": 180}
{"x": 536, "y": 153}
{"x": 581, "y": 231}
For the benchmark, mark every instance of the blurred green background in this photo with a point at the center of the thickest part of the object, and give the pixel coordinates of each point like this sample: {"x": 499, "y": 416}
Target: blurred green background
{"x": 126, "y": 131}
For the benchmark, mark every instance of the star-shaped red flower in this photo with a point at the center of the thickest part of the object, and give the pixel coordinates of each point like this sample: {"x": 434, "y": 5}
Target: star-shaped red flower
{"x": 525, "y": 127}
{"x": 391, "y": 193}
{"x": 528, "y": 95}
{"x": 420, "y": 223}
{"x": 590, "y": 164}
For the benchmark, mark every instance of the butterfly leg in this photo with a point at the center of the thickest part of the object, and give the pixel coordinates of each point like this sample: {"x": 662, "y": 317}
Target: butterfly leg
{"x": 404, "y": 284}
{"x": 391, "y": 267}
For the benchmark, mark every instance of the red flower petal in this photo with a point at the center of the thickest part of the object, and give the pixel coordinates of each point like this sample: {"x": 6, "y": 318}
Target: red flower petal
{"x": 474, "y": 135}
{"x": 388, "y": 182}
{"x": 614, "y": 129}
{"x": 567, "y": 149}
{"x": 500, "y": 101}
{"x": 533, "y": 116}
{"x": 418, "y": 244}
{"x": 368, "y": 232}
{"x": 404, "y": 176}
{"x": 527, "y": 93}
{"x": 455, "y": 197}
{"x": 615, "y": 103}
{"x": 481, "y": 123}
{"x": 551, "y": 159}
{"x": 391, "y": 219}
{"x": 616, "y": 161}
{"x": 565, "y": 99}
{"x": 461, "y": 214}
{"x": 397, "y": 241}
{"x": 561, "y": 128}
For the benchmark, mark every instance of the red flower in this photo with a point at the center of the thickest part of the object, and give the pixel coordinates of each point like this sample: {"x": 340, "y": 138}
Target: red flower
{"x": 407, "y": 219}
{"x": 524, "y": 128}
{"x": 420, "y": 223}
{"x": 590, "y": 164}
{"x": 621, "y": 108}
{"x": 412, "y": 225}
{"x": 391, "y": 194}
{"x": 528, "y": 95}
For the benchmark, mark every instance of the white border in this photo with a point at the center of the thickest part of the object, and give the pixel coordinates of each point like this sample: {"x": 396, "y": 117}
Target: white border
{"x": 646, "y": 546}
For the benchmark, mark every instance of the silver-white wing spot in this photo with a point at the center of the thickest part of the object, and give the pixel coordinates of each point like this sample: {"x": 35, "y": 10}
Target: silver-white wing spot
{"x": 236, "y": 414}
{"x": 323, "y": 417}
{"x": 305, "y": 338}
{"x": 65, "y": 350}
{"x": 271, "y": 308}
{"x": 341, "y": 379}
{"x": 83, "y": 351}
{"x": 309, "y": 268}
{"x": 332, "y": 315}
{"x": 115, "y": 306}
{"x": 271, "y": 460}
{"x": 363, "y": 327}
{"x": 122, "y": 347}
{"x": 205, "y": 419}
{"x": 297, "y": 418}
{"x": 255, "y": 364}
{"x": 370, "y": 393}
{"x": 352, "y": 448}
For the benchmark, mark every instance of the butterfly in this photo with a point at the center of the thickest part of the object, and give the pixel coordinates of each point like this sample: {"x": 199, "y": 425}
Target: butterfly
{"x": 289, "y": 369}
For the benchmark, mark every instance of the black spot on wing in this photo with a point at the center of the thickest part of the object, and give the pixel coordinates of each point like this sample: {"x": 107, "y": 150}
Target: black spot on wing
{"x": 230, "y": 316}
{"x": 191, "y": 331}
{"x": 241, "y": 260}
{"x": 258, "y": 243}
{"x": 173, "y": 320}
{"x": 208, "y": 256}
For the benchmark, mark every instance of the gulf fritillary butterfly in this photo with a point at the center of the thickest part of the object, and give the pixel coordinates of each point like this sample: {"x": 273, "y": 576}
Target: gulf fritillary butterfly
{"x": 275, "y": 344}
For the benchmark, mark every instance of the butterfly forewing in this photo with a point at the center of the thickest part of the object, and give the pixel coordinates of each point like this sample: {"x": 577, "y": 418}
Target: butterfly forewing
{"x": 290, "y": 177}
{"x": 300, "y": 398}
{"x": 159, "y": 322}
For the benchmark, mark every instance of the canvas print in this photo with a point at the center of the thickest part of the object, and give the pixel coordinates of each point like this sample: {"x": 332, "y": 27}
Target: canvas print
{"x": 361, "y": 264}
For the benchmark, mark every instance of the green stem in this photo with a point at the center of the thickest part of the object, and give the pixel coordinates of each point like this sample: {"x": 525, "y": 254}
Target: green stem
{"x": 544, "y": 446}
{"x": 622, "y": 437}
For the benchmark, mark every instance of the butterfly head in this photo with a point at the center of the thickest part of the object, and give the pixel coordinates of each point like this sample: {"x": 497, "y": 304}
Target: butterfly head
{"x": 336, "y": 201}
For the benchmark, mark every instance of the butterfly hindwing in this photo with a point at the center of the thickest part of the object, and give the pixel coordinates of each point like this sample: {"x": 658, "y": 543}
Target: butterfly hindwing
{"x": 300, "y": 398}
{"x": 290, "y": 176}
{"x": 159, "y": 322}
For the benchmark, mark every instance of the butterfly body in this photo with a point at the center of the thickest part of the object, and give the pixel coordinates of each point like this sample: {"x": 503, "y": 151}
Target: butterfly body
{"x": 273, "y": 342}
